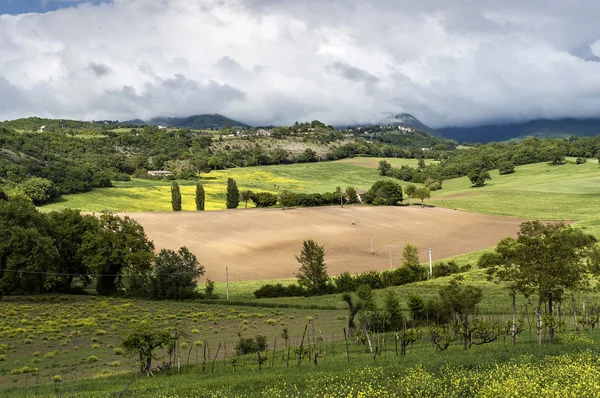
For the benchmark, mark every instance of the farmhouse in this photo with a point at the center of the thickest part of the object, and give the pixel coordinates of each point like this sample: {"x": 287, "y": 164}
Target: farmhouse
{"x": 42, "y": 129}
{"x": 265, "y": 133}
{"x": 159, "y": 173}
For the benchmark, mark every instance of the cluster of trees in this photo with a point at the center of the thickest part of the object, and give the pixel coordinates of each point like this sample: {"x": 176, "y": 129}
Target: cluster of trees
{"x": 67, "y": 251}
{"x": 477, "y": 161}
{"x": 313, "y": 278}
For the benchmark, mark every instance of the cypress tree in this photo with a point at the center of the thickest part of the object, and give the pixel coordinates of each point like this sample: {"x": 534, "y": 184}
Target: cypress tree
{"x": 233, "y": 195}
{"x": 200, "y": 198}
{"x": 175, "y": 196}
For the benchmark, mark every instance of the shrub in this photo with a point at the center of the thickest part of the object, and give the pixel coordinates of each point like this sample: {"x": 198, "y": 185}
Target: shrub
{"x": 580, "y": 160}
{"x": 449, "y": 268}
{"x": 264, "y": 199}
{"x": 344, "y": 282}
{"x": 278, "y": 290}
{"x": 92, "y": 358}
{"x": 251, "y": 345}
{"x": 56, "y": 379}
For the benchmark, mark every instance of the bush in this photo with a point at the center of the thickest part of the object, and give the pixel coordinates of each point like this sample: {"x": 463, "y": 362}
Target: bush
{"x": 292, "y": 199}
{"x": 344, "y": 282}
{"x": 251, "y": 345}
{"x": 580, "y": 160}
{"x": 264, "y": 199}
{"x": 371, "y": 278}
{"x": 449, "y": 268}
{"x": 278, "y": 290}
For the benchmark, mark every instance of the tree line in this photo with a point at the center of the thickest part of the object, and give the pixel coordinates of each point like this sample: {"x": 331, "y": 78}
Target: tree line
{"x": 384, "y": 192}
{"x": 67, "y": 252}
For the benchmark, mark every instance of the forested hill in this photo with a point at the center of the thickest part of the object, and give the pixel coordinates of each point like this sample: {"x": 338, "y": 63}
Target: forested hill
{"x": 72, "y": 156}
{"x": 539, "y": 128}
{"x": 197, "y": 122}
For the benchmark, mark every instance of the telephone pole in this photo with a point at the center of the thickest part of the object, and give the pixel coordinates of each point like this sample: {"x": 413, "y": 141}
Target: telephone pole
{"x": 430, "y": 265}
{"x": 227, "y": 282}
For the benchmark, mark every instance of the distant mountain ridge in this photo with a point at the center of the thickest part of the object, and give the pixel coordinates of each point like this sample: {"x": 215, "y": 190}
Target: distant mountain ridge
{"x": 540, "y": 128}
{"x": 195, "y": 122}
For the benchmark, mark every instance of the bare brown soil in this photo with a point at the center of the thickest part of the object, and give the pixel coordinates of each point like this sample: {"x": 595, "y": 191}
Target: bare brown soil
{"x": 261, "y": 243}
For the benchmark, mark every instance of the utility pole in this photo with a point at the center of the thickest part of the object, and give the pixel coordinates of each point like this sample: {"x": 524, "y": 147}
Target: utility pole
{"x": 391, "y": 266}
{"x": 227, "y": 281}
{"x": 430, "y": 265}
{"x": 341, "y": 198}
{"x": 371, "y": 234}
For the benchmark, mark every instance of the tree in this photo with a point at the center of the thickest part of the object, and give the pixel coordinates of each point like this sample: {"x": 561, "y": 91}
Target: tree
{"x": 478, "y": 177}
{"x": 308, "y": 155}
{"x": 460, "y": 300}
{"x": 116, "y": 248}
{"x": 410, "y": 261}
{"x": 246, "y": 196}
{"x": 200, "y": 197}
{"x": 312, "y": 273}
{"x": 384, "y": 168}
{"x": 543, "y": 262}
{"x": 506, "y": 167}
{"x": 387, "y": 193}
{"x": 351, "y": 195}
{"x": 27, "y": 252}
{"x": 393, "y": 313}
{"x": 409, "y": 190}
{"x": 422, "y": 193}
{"x": 233, "y": 195}
{"x": 353, "y": 308}
{"x": 175, "y": 196}
{"x": 39, "y": 190}
{"x": 143, "y": 338}
{"x": 432, "y": 184}
{"x": 68, "y": 228}
{"x": 421, "y": 163}
{"x": 175, "y": 275}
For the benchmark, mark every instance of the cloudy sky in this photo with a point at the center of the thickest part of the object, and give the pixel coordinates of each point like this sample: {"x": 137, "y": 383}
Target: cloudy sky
{"x": 449, "y": 63}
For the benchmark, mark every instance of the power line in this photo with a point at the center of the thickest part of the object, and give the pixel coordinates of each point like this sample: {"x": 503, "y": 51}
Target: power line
{"x": 92, "y": 275}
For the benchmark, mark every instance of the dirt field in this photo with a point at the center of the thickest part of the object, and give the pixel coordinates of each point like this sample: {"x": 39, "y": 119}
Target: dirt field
{"x": 262, "y": 243}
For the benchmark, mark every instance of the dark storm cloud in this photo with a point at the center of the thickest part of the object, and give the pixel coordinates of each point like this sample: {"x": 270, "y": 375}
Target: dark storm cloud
{"x": 99, "y": 69}
{"x": 278, "y": 61}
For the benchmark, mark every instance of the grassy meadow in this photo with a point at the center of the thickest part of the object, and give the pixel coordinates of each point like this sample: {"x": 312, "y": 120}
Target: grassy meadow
{"x": 46, "y": 341}
{"x": 151, "y": 195}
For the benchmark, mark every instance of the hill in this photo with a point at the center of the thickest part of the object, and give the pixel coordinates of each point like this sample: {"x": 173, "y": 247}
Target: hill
{"x": 540, "y": 128}
{"x": 408, "y": 120}
{"x": 197, "y": 122}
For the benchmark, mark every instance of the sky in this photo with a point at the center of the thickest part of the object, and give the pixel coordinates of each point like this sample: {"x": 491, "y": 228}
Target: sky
{"x": 262, "y": 62}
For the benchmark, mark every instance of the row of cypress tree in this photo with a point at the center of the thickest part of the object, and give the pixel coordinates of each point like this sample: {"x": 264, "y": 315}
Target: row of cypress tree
{"x": 233, "y": 195}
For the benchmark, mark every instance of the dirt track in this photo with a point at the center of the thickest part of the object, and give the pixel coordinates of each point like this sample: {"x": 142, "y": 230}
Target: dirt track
{"x": 262, "y": 243}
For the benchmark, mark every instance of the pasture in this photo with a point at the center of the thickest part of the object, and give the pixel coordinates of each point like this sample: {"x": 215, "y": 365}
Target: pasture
{"x": 536, "y": 191}
{"x": 151, "y": 195}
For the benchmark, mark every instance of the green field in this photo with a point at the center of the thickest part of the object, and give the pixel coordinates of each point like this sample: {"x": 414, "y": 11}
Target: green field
{"x": 566, "y": 192}
{"x": 149, "y": 195}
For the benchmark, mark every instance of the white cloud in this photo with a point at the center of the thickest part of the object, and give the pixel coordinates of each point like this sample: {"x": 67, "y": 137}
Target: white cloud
{"x": 267, "y": 61}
